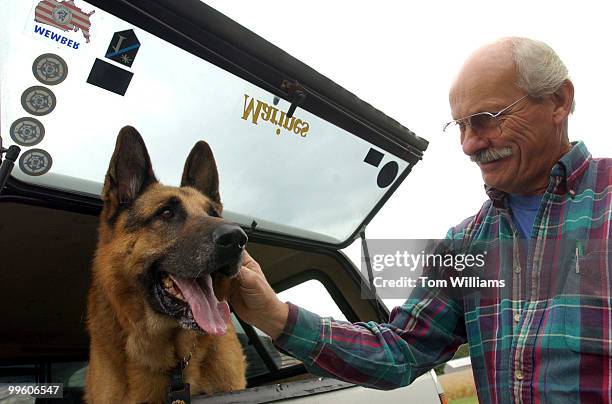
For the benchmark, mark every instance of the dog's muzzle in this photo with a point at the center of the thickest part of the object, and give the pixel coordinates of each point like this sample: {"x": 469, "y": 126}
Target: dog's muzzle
{"x": 229, "y": 241}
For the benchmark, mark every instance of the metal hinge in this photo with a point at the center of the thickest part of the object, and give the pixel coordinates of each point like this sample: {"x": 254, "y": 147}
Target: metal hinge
{"x": 296, "y": 94}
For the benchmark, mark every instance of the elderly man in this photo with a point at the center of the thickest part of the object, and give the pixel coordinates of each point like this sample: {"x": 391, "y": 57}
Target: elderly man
{"x": 548, "y": 337}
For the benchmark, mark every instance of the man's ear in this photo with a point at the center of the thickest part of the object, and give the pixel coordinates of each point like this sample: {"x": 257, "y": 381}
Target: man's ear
{"x": 201, "y": 171}
{"x": 563, "y": 100}
{"x": 129, "y": 172}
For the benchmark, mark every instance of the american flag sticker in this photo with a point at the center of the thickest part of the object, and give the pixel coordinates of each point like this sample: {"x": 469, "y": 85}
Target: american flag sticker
{"x": 63, "y": 15}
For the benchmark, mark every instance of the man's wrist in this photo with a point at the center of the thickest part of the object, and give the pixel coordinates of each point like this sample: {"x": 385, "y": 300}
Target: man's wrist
{"x": 273, "y": 323}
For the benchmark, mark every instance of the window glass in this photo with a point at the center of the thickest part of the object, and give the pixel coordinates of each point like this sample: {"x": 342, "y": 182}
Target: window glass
{"x": 255, "y": 364}
{"x": 300, "y": 176}
{"x": 18, "y": 374}
{"x": 71, "y": 374}
{"x": 313, "y": 296}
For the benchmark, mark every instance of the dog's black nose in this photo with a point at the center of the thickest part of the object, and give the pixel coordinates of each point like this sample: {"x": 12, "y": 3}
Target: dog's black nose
{"x": 229, "y": 238}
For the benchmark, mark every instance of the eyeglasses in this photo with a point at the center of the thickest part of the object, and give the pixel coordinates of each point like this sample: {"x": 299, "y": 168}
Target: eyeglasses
{"x": 483, "y": 123}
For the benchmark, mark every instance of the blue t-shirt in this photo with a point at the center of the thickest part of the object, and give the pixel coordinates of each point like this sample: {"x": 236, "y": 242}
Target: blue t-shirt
{"x": 524, "y": 209}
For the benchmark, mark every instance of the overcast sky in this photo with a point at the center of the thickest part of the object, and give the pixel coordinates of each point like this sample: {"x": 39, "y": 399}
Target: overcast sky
{"x": 402, "y": 57}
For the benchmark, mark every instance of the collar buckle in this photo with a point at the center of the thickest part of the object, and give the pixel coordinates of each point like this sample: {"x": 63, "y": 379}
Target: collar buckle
{"x": 179, "y": 392}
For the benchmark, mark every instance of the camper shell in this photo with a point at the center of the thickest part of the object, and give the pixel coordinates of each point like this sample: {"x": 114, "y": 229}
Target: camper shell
{"x": 196, "y": 75}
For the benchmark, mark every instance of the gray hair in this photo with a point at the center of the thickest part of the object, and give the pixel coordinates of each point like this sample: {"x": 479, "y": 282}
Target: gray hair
{"x": 540, "y": 70}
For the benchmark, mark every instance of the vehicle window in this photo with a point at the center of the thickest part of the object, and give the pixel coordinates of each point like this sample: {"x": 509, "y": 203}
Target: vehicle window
{"x": 313, "y": 296}
{"x": 255, "y": 364}
{"x": 70, "y": 374}
{"x": 25, "y": 373}
{"x": 302, "y": 295}
{"x": 307, "y": 176}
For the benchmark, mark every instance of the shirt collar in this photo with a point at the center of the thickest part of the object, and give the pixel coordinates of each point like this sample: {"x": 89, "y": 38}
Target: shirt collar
{"x": 573, "y": 164}
{"x": 570, "y": 167}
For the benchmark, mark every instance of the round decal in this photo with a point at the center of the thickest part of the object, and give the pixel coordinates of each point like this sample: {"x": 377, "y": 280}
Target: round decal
{"x": 27, "y": 131}
{"x": 387, "y": 174}
{"x": 35, "y": 162}
{"x": 50, "y": 69}
{"x": 62, "y": 15}
{"x": 38, "y": 100}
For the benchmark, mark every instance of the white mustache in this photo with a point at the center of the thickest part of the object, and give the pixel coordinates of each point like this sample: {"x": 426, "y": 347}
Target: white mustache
{"x": 490, "y": 154}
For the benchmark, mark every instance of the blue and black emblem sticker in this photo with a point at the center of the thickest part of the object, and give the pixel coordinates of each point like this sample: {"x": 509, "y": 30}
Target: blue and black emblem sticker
{"x": 123, "y": 47}
{"x": 27, "y": 131}
{"x": 35, "y": 162}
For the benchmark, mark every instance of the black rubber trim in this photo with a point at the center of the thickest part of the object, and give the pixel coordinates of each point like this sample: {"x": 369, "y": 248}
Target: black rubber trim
{"x": 20, "y": 371}
{"x": 22, "y": 192}
{"x": 37, "y": 360}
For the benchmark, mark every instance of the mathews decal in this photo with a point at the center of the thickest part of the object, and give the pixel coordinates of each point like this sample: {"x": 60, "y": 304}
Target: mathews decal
{"x": 258, "y": 111}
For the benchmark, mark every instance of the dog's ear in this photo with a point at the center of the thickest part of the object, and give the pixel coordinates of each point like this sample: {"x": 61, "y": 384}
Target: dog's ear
{"x": 130, "y": 171}
{"x": 201, "y": 171}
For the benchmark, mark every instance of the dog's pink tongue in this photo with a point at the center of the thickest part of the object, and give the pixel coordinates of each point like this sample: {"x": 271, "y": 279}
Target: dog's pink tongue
{"x": 211, "y": 315}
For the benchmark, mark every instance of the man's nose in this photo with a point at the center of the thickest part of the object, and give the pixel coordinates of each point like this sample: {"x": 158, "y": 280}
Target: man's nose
{"x": 471, "y": 142}
{"x": 229, "y": 240}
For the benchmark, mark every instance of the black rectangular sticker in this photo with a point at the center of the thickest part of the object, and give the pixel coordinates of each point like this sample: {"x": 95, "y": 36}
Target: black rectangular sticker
{"x": 109, "y": 77}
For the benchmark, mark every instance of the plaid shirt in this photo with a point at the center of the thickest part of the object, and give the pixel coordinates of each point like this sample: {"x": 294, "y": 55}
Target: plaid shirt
{"x": 548, "y": 338}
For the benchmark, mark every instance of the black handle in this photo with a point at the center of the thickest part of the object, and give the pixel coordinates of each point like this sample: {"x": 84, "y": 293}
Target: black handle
{"x": 7, "y": 165}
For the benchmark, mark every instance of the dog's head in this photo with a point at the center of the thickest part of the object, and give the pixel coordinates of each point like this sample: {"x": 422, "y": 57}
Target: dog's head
{"x": 169, "y": 246}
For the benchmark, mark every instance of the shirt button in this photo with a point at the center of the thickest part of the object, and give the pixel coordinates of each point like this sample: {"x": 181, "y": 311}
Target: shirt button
{"x": 517, "y": 269}
{"x": 519, "y": 375}
{"x": 517, "y": 318}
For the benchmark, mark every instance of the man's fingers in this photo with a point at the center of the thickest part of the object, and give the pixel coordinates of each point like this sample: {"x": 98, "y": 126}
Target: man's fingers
{"x": 247, "y": 277}
{"x": 251, "y": 264}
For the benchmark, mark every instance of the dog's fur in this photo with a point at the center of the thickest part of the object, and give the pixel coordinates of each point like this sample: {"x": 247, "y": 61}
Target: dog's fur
{"x": 133, "y": 346}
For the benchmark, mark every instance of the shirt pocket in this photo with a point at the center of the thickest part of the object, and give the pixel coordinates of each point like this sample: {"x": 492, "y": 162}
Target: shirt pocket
{"x": 589, "y": 273}
{"x": 588, "y": 324}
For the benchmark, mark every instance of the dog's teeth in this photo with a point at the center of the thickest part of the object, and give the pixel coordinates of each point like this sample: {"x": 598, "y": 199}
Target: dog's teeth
{"x": 177, "y": 294}
{"x": 167, "y": 282}
{"x": 171, "y": 288}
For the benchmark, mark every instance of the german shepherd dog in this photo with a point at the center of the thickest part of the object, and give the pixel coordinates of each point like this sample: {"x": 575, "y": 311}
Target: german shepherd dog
{"x": 161, "y": 274}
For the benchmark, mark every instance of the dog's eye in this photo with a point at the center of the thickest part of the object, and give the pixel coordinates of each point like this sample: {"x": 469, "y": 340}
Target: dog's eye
{"x": 213, "y": 213}
{"x": 166, "y": 213}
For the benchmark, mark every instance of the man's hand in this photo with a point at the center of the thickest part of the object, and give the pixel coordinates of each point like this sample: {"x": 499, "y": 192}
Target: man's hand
{"x": 255, "y": 302}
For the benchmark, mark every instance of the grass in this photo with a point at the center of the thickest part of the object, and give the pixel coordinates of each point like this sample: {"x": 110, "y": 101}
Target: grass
{"x": 465, "y": 400}
{"x": 458, "y": 385}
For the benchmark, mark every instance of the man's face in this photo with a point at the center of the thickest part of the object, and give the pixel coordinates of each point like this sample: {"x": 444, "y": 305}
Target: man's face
{"x": 529, "y": 140}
